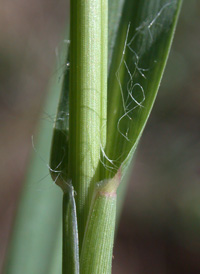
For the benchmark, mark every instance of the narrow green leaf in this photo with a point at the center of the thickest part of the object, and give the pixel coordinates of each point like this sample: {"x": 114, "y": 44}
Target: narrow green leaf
{"x": 139, "y": 57}
{"x": 35, "y": 245}
{"x": 38, "y": 219}
{"x": 55, "y": 265}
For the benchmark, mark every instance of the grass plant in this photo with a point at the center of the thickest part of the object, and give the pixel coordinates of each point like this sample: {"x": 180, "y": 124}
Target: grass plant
{"x": 118, "y": 52}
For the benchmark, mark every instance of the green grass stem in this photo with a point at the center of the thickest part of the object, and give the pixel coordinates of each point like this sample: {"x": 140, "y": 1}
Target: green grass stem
{"x": 96, "y": 254}
{"x": 87, "y": 100}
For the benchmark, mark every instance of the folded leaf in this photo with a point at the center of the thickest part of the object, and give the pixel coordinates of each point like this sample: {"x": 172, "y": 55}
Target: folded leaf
{"x": 143, "y": 42}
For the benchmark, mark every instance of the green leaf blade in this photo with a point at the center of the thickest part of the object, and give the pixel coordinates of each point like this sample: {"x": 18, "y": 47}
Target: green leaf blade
{"x": 144, "y": 41}
{"x": 31, "y": 248}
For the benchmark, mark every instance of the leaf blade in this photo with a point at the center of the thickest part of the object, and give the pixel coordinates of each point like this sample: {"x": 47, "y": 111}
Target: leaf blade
{"x": 144, "y": 39}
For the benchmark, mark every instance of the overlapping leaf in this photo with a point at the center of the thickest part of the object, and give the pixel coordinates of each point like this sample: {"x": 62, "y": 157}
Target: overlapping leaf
{"x": 141, "y": 49}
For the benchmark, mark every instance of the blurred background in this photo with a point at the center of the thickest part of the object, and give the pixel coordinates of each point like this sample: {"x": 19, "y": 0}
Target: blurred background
{"x": 159, "y": 231}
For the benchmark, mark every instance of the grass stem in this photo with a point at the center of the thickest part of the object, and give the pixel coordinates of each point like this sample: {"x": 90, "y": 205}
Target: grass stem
{"x": 87, "y": 100}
